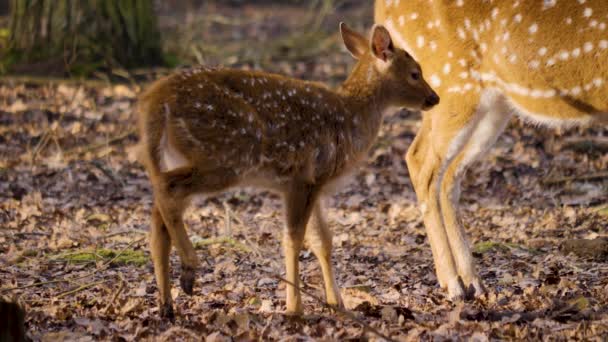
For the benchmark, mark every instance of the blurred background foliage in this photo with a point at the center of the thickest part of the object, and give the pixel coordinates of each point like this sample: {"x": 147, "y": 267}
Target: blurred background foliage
{"x": 117, "y": 38}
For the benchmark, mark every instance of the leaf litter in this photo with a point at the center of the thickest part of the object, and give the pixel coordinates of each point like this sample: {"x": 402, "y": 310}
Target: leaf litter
{"x": 69, "y": 191}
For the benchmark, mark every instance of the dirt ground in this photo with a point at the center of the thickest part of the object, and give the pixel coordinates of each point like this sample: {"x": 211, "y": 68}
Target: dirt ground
{"x": 75, "y": 206}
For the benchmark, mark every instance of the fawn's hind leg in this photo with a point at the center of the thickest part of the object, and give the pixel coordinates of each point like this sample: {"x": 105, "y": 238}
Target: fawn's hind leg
{"x": 299, "y": 202}
{"x": 160, "y": 246}
{"x": 318, "y": 238}
{"x": 171, "y": 201}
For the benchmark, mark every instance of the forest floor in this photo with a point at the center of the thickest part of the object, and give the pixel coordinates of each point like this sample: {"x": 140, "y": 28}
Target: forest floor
{"x": 75, "y": 209}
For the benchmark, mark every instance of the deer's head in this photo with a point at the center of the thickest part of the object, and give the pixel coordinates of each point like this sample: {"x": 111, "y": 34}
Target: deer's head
{"x": 395, "y": 72}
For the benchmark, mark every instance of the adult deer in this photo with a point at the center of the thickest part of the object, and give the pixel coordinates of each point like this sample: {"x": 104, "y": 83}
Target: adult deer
{"x": 204, "y": 131}
{"x": 545, "y": 61}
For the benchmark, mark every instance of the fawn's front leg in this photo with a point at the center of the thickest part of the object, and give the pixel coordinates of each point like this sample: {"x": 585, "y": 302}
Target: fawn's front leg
{"x": 318, "y": 238}
{"x": 299, "y": 202}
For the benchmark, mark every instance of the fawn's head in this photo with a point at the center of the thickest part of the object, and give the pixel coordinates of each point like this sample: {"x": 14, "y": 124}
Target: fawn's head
{"x": 394, "y": 69}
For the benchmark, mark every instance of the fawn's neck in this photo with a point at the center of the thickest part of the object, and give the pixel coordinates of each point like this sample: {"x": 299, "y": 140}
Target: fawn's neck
{"x": 362, "y": 95}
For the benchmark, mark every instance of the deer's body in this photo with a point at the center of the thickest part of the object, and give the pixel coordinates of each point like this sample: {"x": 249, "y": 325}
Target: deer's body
{"x": 204, "y": 131}
{"x": 256, "y": 128}
{"x": 545, "y": 61}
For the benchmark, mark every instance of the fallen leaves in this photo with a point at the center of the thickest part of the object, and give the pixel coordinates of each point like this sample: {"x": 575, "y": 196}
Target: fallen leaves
{"x": 74, "y": 208}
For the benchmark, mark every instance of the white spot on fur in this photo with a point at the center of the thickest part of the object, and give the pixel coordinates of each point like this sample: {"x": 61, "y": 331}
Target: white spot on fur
{"x": 587, "y": 47}
{"x": 534, "y": 64}
{"x": 587, "y": 12}
{"x": 420, "y": 41}
{"x": 435, "y": 80}
{"x": 533, "y": 28}
{"x": 517, "y": 18}
{"x": 549, "y": 3}
{"x": 447, "y": 68}
{"x": 598, "y": 82}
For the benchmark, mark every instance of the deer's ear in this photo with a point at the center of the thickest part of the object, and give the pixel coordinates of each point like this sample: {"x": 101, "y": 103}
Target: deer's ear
{"x": 381, "y": 43}
{"x": 355, "y": 43}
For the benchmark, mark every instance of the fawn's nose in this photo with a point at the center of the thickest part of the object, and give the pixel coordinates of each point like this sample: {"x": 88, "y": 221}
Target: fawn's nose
{"x": 431, "y": 100}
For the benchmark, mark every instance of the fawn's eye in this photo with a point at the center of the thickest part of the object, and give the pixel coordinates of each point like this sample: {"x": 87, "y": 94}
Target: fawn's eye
{"x": 415, "y": 75}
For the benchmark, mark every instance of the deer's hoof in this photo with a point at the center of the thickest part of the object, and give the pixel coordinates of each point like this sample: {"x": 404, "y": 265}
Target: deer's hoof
{"x": 475, "y": 289}
{"x": 456, "y": 291}
{"x": 166, "y": 311}
{"x": 186, "y": 280}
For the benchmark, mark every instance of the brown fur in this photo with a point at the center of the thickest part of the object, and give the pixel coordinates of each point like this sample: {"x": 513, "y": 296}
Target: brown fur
{"x": 542, "y": 60}
{"x": 204, "y": 131}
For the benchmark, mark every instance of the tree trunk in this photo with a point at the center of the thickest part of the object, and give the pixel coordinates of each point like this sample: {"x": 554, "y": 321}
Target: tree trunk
{"x": 80, "y": 36}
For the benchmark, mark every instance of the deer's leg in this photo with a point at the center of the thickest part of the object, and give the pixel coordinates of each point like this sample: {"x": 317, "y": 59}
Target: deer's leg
{"x": 299, "y": 203}
{"x": 490, "y": 125}
{"x": 318, "y": 238}
{"x": 173, "y": 193}
{"x": 424, "y": 168}
{"x": 160, "y": 246}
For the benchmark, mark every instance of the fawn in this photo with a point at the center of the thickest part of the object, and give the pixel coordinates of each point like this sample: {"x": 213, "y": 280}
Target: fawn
{"x": 204, "y": 131}
{"x": 545, "y": 61}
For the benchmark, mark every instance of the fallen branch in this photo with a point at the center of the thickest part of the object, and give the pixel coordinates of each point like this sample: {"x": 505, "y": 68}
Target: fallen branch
{"x": 587, "y": 177}
{"x": 121, "y": 286}
{"x": 80, "y": 288}
{"x": 77, "y": 151}
{"x": 586, "y": 144}
{"x": 223, "y": 240}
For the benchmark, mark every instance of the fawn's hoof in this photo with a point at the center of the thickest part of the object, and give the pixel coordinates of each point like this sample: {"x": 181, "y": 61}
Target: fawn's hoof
{"x": 186, "y": 280}
{"x": 166, "y": 311}
{"x": 475, "y": 289}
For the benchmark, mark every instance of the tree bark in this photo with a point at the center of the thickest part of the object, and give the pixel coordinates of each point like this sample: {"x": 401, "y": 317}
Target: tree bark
{"x": 80, "y": 36}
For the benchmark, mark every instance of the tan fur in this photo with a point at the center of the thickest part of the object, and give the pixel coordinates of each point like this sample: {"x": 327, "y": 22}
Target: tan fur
{"x": 542, "y": 60}
{"x": 204, "y": 131}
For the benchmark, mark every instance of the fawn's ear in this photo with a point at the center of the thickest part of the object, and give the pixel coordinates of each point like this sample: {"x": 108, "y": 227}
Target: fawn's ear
{"x": 381, "y": 43}
{"x": 355, "y": 43}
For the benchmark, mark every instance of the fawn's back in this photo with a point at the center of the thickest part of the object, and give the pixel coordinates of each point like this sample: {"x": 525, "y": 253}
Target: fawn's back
{"x": 241, "y": 123}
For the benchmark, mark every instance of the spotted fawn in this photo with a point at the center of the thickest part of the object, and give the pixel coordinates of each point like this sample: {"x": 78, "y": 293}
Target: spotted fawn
{"x": 203, "y": 131}
{"x": 544, "y": 61}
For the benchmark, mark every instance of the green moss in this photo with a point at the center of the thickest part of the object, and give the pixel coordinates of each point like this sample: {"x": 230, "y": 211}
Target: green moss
{"x": 485, "y": 246}
{"x": 127, "y": 257}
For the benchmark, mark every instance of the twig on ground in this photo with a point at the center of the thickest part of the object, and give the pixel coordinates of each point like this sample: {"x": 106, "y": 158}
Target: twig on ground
{"x": 223, "y": 240}
{"x": 586, "y": 177}
{"x": 227, "y": 220}
{"x": 80, "y": 288}
{"x": 77, "y": 151}
{"x": 121, "y": 286}
{"x": 586, "y": 144}
{"x": 108, "y": 172}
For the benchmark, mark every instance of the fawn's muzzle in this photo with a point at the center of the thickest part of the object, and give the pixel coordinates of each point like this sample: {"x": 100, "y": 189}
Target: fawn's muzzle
{"x": 431, "y": 100}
